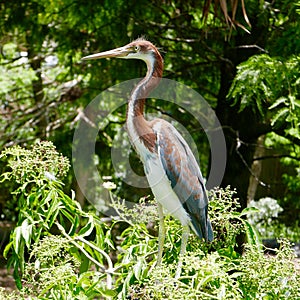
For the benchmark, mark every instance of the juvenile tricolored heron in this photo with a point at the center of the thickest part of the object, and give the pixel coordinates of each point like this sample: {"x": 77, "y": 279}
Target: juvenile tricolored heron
{"x": 170, "y": 166}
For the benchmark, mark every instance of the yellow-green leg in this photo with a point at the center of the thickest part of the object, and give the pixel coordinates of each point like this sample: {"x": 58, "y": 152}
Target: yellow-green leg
{"x": 184, "y": 239}
{"x": 161, "y": 234}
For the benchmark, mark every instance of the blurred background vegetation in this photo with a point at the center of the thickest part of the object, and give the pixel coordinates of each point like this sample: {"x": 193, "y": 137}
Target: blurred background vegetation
{"x": 248, "y": 74}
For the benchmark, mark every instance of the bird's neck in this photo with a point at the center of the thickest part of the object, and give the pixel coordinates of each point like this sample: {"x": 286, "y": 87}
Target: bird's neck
{"x": 138, "y": 128}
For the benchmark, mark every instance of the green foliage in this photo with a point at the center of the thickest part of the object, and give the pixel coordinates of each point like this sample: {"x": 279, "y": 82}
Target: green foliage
{"x": 15, "y": 75}
{"x": 79, "y": 250}
{"x": 290, "y": 178}
{"x": 270, "y": 86}
{"x": 269, "y": 277}
{"x": 263, "y": 83}
{"x": 228, "y": 222}
{"x": 44, "y": 88}
{"x": 45, "y": 208}
{"x": 34, "y": 94}
{"x": 44, "y": 85}
{"x": 203, "y": 277}
{"x": 40, "y": 164}
{"x": 253, "y": 276}
{"x": 50, "y": 259}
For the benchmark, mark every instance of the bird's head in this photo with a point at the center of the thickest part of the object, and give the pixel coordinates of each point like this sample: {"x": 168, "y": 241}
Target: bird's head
{"x": 138, "y": 49}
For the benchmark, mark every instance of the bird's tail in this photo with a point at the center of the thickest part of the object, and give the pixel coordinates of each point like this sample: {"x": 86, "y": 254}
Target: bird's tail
{"x": 210, "y": 233}
{"x": 201, "y": 225}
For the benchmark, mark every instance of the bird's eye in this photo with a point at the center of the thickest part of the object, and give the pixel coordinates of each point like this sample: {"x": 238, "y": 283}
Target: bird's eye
{"x": 136, "y": 48}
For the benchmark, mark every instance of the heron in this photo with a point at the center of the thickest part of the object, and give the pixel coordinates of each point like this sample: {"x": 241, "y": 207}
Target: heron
{"x": 170, "y": 166}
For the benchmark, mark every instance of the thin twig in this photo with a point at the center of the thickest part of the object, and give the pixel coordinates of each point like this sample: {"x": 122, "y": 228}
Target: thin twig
{"x": 276, "y": 156}
{"x": 247, "y": 166}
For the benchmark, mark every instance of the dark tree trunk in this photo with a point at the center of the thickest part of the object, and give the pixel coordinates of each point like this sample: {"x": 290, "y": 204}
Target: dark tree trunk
{"x": 236, "y": 126}
{"x": 241, "y": 129}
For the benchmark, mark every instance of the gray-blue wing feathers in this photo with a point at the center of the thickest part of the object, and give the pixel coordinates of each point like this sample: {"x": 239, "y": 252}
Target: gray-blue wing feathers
{"x": 185, "y": 177}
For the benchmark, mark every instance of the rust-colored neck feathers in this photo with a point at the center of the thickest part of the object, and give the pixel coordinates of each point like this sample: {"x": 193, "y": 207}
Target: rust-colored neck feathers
{"x": 139, "y": 94}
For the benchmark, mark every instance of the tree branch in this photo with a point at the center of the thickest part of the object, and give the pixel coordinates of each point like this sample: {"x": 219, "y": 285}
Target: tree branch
{"x": 276, "y": 156}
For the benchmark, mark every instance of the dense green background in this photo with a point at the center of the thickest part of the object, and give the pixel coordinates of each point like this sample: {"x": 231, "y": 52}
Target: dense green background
{"x": 250, "y": 79}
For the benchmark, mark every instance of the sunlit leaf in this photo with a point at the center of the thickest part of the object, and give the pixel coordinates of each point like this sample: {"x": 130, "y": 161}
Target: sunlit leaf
{"x": 88, "y": 228}
{"x": 26, "y": 230}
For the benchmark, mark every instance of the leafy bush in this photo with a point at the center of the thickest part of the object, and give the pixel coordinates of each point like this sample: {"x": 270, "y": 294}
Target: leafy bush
{"x": 59, "y": 251}
{"x": 290, "y": 200}
{"x": 269, "y": 86}
{"x": 44, "y": 209}
{"x": 269, "y": 277}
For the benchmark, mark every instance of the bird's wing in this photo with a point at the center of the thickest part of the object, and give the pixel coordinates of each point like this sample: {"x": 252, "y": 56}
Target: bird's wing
{"x": 185, "y": 176}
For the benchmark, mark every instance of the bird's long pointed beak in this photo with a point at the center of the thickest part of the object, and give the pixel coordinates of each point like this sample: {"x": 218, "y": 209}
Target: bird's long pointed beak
{"x": 118, "y": 52}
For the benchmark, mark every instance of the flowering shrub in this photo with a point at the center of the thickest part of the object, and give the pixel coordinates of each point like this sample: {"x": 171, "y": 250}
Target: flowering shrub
{"x": 265, "y": 216}
{"x": 89, "y": 258}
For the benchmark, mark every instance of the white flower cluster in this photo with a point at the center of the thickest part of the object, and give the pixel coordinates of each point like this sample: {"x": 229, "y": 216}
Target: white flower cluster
{"x": 268, "y": 210}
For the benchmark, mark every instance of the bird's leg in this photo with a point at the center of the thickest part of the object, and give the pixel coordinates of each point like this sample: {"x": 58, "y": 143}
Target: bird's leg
{"x": 184, "y": 239}
{"x": 161, "y": 234}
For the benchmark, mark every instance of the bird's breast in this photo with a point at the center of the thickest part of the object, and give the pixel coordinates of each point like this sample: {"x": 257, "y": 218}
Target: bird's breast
{"x": 154, "y": 170}
{"x": 162, "y": 189}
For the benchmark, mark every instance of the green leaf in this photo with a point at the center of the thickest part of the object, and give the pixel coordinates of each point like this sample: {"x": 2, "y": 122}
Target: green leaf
{"x": 18, "y": 280}
{"x": 26, "y": 230}
{"x": 279, "y": 115}
{"x": 68, "y": 215}
{"x": 108, "y": 240}
{"x": 5, "y": 176}
{"x": 17, "y": 238}
{"x": 85, "y": 263}
{"x": 6, "y": 249}
{"x": 252, "y": 234}
{"x": 74, "y": 226}
{"x": 138, "y": 268}
{"x": 248, "y": 210}
{"x": 294, "y": 132}
{"x": 229, "y": 252}
{"x": 259, "y": 107}
{"x": 88, "y": 228}
{"x": 281, "y": 100}
{"x": 109, "y": 293}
